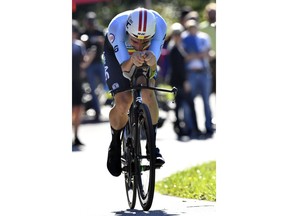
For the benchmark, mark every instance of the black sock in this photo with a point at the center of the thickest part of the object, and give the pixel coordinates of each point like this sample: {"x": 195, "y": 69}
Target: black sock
{"x": 115, "y": 134}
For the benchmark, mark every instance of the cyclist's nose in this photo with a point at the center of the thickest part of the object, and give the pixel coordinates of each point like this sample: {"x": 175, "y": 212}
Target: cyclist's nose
{"x": 139, "y": 46}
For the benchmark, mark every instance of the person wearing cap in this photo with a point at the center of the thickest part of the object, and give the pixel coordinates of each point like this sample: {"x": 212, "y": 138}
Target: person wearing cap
{"x": 197, "y": 44}
{"x": 134, "y": 37}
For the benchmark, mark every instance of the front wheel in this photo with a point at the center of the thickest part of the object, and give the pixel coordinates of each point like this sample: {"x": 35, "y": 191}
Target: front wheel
{"x": 145, "y": 157}
{"x": 128, "y": 168}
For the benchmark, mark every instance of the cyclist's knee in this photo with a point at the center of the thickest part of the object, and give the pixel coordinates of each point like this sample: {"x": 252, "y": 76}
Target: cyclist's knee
{"x": 123, "y": 100}
{"x": 148, "y": 95}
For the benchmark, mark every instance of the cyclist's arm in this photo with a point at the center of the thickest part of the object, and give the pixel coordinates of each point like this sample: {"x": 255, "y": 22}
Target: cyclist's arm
{"x": 117, "y": 36}
{"x": 138, "y": 58}
{"x": 158, "y": 40}
{"x": 127, "y": 65}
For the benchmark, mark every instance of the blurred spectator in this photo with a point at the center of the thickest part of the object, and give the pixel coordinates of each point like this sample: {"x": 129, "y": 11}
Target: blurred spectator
{"x": 184, "y": 109}
{"x": 80, "y": 61}
{"x": 78, "y": 53}
{"x": 184, "y": 11}
{"x": 197, "y": 44}
{"x": 192, "y": 15}
{"x": 93, "y": 37}
{"x": 163, "y": 61}
{"x": 209, "y": 26}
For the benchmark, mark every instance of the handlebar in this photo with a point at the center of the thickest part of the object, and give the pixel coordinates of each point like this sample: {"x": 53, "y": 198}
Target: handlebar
{"x": 174, "y": 90}
{"x": 144, "y": 70}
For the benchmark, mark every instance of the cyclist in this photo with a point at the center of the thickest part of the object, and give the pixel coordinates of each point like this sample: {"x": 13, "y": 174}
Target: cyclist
{"x": 133, "y": 37}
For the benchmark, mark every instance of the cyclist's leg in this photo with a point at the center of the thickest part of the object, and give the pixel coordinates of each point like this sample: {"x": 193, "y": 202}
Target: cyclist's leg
{"x": 118, "y": 118}
{"x": 149, "y": 98}
{"x": 118, "y": 114}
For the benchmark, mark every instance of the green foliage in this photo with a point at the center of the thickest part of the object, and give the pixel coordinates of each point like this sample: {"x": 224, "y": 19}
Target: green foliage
{"x": 165, "y": 96}
{"x": 170, "y": 10}
{"x": 198, "y": 182}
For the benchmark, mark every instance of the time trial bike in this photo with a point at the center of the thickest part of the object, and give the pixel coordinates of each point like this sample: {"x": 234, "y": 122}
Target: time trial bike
{"x": 138, "y": 143}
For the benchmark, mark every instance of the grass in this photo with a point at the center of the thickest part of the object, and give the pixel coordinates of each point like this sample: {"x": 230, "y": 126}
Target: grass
{"x": 198, "y": 182}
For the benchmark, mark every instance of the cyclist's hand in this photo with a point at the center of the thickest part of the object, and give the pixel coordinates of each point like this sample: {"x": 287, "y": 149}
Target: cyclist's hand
{"x": 149, "y": 58}
{"x": 138, "y": 58}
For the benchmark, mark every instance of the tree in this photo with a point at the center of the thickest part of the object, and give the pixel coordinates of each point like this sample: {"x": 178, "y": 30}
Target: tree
{"x": 170, "y": 10}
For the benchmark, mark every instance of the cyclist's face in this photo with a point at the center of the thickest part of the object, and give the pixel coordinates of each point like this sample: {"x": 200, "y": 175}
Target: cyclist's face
{"x": 139, "y": 44}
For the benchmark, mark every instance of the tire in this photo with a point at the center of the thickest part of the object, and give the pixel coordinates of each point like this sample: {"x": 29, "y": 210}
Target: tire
{"x": 145, "y": 163}
{"x": 129, "y": 170}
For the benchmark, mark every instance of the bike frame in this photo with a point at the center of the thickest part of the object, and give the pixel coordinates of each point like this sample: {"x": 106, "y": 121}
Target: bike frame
{"x": 131, "y": 131}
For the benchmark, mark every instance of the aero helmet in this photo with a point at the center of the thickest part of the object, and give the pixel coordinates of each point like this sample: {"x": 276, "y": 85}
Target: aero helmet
{"x": 141, "y": 24}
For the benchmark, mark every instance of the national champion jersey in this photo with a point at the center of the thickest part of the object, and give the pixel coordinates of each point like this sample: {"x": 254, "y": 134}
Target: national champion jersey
{"x": 118, "y": 37}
